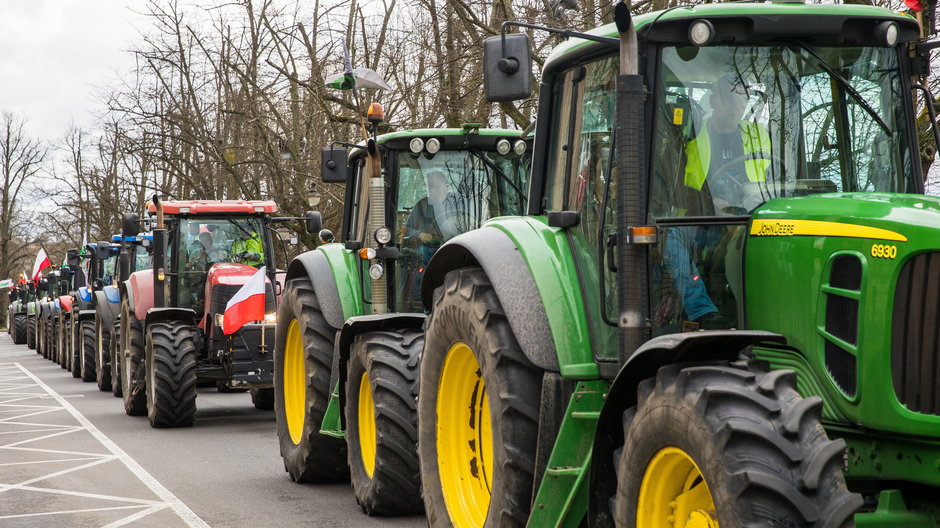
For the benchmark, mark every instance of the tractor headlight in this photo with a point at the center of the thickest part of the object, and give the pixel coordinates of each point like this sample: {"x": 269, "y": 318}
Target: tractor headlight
{"x": 270, "y": 318}
{"x": 503, "y": 147}
{"x": 383, "y": 235}
{"x": 416, "y": 145}
{"x": 519, "y": 147}
{"x": 219, "y": 320}
{"x": 887, "y": 33}
{"x": 376, "y": 271}
{"x": 433, "y": 145}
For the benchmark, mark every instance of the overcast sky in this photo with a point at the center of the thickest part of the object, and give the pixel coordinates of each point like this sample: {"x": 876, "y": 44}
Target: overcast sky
{"x": 53, "y": 54}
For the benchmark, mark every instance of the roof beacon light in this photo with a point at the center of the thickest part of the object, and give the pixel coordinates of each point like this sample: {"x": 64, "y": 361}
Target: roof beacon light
{"x": 433, "y": 145}
{"x": 376, "y": 113}
{"x": 887, "y": 33}
{"x": 519, "y": 147}
{"x": 503, "y": 147}
{"x": 416, "y": 145}
{"x": 701, "y": 32}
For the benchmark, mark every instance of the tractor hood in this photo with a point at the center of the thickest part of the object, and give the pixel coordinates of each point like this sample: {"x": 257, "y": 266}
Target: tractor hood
{"x": 879, "y": 216}
{"x": 224, "y": 280}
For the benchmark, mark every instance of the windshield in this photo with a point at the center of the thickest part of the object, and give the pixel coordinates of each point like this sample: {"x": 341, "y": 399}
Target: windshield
{"x": 737, "y": 126}
{"x": 141, "y": 258}
{"x": 204, "y": 241}
{"x": 439, "y": 197}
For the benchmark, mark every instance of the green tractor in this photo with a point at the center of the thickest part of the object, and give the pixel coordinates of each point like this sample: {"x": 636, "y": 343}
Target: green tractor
{"x": 350, "y": 324}
{"x": 722, "y": 306}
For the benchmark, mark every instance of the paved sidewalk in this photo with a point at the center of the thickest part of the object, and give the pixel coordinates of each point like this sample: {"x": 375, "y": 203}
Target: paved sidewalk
{"x": 58, "y": 469}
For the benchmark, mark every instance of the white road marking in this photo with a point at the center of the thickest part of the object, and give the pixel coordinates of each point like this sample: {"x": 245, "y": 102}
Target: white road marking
{"x": 169, "y": 500}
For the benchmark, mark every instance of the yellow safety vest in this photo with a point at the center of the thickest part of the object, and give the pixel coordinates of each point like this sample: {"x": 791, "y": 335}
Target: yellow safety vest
{"x": 754, "y": 139}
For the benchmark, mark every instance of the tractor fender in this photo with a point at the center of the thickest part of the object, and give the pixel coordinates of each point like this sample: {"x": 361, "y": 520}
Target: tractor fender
{"x": 106, "y": 309}
{"x": 709, "y": 345}
{"x": 111, "y": 295}
{"x": 128, "y": 291}
{"x": 155, "y": 315}
{"x": 65, "y": 301}
{"x": 335, "y": 281}
{"x": 512, "y": 280}
{"x": 358, "y": 325}
{"x": 141, "y": 288}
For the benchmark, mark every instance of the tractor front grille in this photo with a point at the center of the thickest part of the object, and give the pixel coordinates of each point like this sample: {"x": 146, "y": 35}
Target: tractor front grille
{"x": 915, "y": 340}
{"x": 223, "y": 293}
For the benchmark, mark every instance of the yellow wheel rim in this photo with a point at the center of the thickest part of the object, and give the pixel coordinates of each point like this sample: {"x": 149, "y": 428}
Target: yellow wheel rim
{"x": 674, "y": 494}
{"x": 295, "y": 386}
{"x": 464, "y": 438}
{"x": 367, "y": 425}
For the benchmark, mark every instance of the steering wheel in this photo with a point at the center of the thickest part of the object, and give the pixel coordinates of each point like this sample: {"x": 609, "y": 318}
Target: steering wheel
{"x": 738, "y": 186}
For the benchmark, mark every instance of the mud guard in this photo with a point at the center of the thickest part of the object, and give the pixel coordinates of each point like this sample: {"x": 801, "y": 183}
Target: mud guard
{"x": 358, "y": 325}
{"x": 140, "y": 290}
{"x": 106, "y": 309}
{"x": 155, "y": 315}
{"x": 496, "y": 253}
{"x": 314, "y": 265}
{"x": 711, "y": 345}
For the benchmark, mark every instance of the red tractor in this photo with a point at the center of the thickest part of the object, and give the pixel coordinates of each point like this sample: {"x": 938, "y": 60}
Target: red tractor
{"x": 172, "y": 314}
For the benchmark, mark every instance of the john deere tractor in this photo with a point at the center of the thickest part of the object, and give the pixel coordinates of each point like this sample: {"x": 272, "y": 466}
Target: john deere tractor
{"x": 350, "y": 325}
{"x": 721, "y": 308}
{"x": 172, "y": 315}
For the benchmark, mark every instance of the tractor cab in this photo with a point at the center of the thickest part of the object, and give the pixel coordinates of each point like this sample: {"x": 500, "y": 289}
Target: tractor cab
{"x": 440, "y": 183}
{"x": 212, "y": 249}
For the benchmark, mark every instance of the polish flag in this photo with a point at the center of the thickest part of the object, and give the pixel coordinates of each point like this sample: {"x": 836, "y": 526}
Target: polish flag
{"x": 247, "y": 305}
{"x": 42, "y": 262}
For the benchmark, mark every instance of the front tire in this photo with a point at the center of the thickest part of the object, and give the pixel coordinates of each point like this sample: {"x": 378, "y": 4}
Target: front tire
{"x": 382, "y": 421}
{"x": 302, "y": 365}
{"x": 171, "y": 374}
{"x": 20, "y": 327}
{"x": 133, "y": 371}
{"x": 263, "y": 399}
{"x": 31, "y": 333}
{"x": 102, "y": 355}
{"x": 478, "y": 410}
{"x": 88, "y": 351}
{"x": 115, "y": 348}
{"x": 729, "y": 444}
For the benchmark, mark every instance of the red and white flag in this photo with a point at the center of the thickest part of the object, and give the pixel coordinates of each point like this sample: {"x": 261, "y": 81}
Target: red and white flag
{"x": 42, "y": 262}
{"x": 247, "y": 305}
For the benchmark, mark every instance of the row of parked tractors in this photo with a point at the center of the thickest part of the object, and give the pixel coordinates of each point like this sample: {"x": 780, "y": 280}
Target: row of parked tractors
{"x": 576, "y": 327}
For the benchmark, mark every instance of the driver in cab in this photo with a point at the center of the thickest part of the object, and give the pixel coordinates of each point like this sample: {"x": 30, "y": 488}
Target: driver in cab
{"x": 728, "y": 152}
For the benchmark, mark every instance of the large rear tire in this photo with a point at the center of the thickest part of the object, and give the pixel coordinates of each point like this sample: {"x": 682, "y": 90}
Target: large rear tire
{"x": 88, "y": 351}
{"x": 171, "y": 374}
{"x": 31, "y": 333}
{"x": 729, "y": 444}
{"x": 20, "y": 327}
{"x": 115, "y": 348}
{"x": 382, "y": 421}
{"x": 102, "y": 355}
{"x": 74, "y": 361}
{"x": 478, "y": 410}
{"x": 302, "y": 364}
{"x": 133, "y": 370}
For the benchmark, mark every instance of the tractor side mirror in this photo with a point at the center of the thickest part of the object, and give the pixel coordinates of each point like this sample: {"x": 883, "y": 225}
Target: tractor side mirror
{"x": 314, "y": 221}
{"x": 333, "y": 165}
{"x": 72, "y": 258}
{"x": 103, "y": 250}
{"x": 130, "y": 224}
{"x": 507, "y": 67}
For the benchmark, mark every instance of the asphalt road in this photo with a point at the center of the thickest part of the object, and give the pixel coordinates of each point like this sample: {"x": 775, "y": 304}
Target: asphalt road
{"x": 69, "y": 456}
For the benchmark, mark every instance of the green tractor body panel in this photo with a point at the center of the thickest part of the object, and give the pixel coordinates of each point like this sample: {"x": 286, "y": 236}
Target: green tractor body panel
{"x": 344, "y": 264}
{"x": 548, "y": 254}
{"x": 847, "y": 255}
